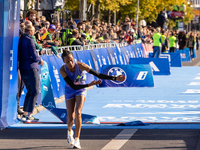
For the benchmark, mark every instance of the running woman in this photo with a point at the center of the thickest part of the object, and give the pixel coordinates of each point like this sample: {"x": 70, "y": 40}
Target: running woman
{"x": 75, "y": 92}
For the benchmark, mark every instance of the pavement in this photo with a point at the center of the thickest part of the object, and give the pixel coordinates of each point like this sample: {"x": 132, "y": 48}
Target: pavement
{"x": 163, "y": 136}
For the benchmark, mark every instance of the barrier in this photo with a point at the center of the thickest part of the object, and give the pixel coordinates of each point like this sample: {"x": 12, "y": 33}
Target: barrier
{"x": 140, "y": 50}
{"x": 185, "y": 55}
{"x": 136, "y": 76}
{"x": 174, "y": 58}
{"x": 160, "y": 66}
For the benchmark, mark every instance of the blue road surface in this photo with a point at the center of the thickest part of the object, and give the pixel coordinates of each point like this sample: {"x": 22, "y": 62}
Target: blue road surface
{"x": 174, "y": 98}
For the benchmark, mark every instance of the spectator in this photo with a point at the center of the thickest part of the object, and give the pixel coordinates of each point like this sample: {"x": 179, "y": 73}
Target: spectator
{"x": 172, "y": 42}
{"x": 48, "y": 40}
{"x": 191, "y": 44}
{"x": 182, "y": 40}
{"x": 157, "y": 43}
{"x": 28, "y": 65}
{"x": 131, "y": 37}
{"x": 74, "y": 40}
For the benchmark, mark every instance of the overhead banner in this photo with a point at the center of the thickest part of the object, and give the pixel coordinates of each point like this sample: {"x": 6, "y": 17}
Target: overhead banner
{"x": 9, "y": 37}
{"x": 135, "y": 75}
{"x": 160, "y": 66}
{"x": 185, "y": 55}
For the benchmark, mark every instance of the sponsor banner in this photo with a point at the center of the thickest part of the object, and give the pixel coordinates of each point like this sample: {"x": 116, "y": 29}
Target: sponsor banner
{"x": 88, "y": 61}
{"x": 136, "y": 75}
{"x": 118, "y": 55}
{"x": 185, "y": 55}
{"x": 9, "y": 36}
{"x": 102, "y": 57}
{"x": 140, "y": 51}
{"x": 175, "y": 14}
{"x": 56, "y": 77}
{"x": 62, "y": 115}
{"x": 132, "y": 51}
{"x": 174, "y": 58}
{"x": 129, "y": 52}
{"x": 95, "y": 61}
{"x": 160, "y": 66}
{"x": 46, "y": 88}
{"x": 60, "y": 63}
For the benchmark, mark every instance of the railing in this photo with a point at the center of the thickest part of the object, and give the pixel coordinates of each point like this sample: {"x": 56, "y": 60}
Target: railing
{"x": 87, "y": 47}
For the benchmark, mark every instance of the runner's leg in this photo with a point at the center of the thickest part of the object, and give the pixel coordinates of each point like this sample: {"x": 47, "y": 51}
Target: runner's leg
{"x": 80, "y": 100}
{"x": 70, "y": 104}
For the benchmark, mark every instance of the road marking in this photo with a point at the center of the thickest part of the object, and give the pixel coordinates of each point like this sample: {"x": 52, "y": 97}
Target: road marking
{"x": 192, "y": 91}
{"x": 194, "y": 83}
{"x": 120, "y": 139}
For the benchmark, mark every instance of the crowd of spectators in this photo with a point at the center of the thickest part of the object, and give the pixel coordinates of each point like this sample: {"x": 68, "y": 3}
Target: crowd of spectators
{"x": 70, "y": 33}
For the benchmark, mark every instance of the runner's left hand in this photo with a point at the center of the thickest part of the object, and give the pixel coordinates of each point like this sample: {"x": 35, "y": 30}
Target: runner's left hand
{"x": 120, "y": 78}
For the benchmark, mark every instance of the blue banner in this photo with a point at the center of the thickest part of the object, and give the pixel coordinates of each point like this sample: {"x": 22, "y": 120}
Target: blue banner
{"x": 140, "y": 50}
{"x": 102, "y": 57}
{"x": 185, "y": 55}
{"x": 46, "y": 90}
{"x": 88, "y": 61}
{"x": 174, "y": 58}
{"x": 61, "y": 114}
{"x": 160, "y": 66}
{"x": 129, "y": 53}
{"x": 95, "y": 61}
{"x": 113, "y": 57}
{"x": 56, "y": 77}
{"x": 119, "y": 56}
{"x": 60, "y": 63}
{"x": 9, "y": 36}
{"x": 136, "y": 76}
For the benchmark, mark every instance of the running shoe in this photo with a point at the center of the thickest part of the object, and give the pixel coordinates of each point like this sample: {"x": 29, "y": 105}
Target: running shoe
{"x": 77, "y": 144}
{"x": 20, "y": 112}
{"x": 24, "y": 118}
{"x": 32, "y": 119}
{"x": 70, "y": 138}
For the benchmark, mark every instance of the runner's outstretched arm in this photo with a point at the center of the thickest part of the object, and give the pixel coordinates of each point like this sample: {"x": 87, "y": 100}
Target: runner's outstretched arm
{"x": 71, "y": 83}
{"x": 85, "y": 67}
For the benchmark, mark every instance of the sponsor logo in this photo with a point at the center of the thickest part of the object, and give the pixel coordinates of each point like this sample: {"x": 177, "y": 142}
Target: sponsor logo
{"x": 63, "y": 115}
{"x": 45, "y": 75}
{"x": 116, "y": 71}
{"x": 56, "y": 75}
{"x": 183, "y": 55}
{"x": 45, "y": 88}
{"x": 154, "y": 67}
{"x": 141, "y": 75}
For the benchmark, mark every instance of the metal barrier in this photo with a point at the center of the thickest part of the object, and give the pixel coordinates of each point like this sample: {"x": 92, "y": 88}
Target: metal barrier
{"x": 85, "y": 47}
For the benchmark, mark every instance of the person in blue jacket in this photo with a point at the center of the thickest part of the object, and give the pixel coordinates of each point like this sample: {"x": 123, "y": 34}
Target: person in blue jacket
{"x": 28, "y": 66}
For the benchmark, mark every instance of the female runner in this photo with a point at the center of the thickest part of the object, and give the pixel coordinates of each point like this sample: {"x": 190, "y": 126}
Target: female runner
{"x": 75, "y": 92}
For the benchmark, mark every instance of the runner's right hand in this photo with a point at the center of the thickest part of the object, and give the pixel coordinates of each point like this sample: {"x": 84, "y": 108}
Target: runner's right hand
{"x": 95, "y": 82}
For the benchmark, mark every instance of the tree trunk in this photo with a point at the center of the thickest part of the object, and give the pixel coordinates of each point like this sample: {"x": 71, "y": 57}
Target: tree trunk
{"x": 98, "y": 10}
{"x": 114, "y": 18}
{"x": 109, "y": 16}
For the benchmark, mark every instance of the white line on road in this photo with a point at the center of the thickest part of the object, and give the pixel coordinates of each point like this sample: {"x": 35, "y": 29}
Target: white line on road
{"x": 120, "y": 139}
{"x": 194, "y": 83}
